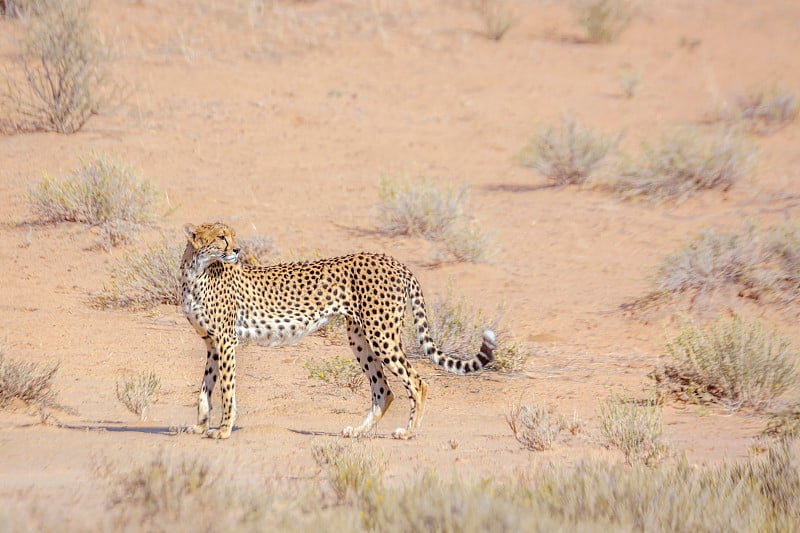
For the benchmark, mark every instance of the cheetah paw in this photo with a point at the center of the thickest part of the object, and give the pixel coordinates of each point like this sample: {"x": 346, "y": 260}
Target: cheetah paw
{"x": 402, "y": 434}
{"x": 218, "y": 434}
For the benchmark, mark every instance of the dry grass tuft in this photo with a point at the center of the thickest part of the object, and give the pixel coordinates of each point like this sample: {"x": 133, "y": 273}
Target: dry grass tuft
{"x": 497, "y": 16}
{"x": 341, "y": 372}
{"x": 137, "y": 392}
{"x": 683, "y": 165}
{"x": 104, "y": 192}
{"x": 30, "y": 383}
{"x": 733, "y": 363}
{"x": 634, "y": 428}
{"x": 603, "y": 20}
{"x": 534, "y": 425}
{"x": 146, "y": 277}
{"x": 568, "y": 155}
{"x": 63, "y": 78}
{"x": 763, "y": 110}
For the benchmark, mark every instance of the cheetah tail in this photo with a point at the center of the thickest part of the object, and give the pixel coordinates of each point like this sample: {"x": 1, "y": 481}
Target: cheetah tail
{"x": 484, "y": 356}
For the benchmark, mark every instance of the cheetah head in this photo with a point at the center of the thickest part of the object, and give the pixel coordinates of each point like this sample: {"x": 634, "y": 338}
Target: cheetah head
{"x": 212, "y": 242}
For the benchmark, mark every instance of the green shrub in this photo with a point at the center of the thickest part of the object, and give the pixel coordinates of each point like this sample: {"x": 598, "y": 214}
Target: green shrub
{"x": 683, "y": 165}
{"x": 63, "y": 65}
{"x": 634, "y": 428}
{"x": 733, "y": 363}
{"x": 603, "y": 20}
{"x": 568, "y": 155}
{"x": 137, "y": 392}
{"x": 104, "y": 192}
{"x": 146, "y": 277}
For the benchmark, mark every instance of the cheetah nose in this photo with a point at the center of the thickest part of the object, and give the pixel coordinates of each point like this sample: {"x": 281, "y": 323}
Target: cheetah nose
{"x": 237, "y": 250}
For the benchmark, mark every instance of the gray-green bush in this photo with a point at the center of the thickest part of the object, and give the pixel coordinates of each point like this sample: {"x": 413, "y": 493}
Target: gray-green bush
{"x": 634, "y": 428}
{"x": 137, "y": 392}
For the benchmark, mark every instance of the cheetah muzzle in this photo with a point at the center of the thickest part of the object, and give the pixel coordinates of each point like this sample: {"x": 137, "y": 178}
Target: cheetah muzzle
{"x": 228, "y": 301}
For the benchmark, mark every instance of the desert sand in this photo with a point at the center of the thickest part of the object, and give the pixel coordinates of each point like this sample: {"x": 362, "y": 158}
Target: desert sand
{"x": 281, "y": 118}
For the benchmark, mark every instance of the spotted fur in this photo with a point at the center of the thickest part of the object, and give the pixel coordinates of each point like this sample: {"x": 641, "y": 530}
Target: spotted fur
{"x": 228, "y": 301}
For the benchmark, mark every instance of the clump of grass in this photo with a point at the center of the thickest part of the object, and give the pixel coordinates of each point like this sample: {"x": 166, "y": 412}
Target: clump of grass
{"x": 137, "y": 392}
{"x": 465, "y": 242}
{"x": 63, "y": 68}
{"x": 341, "y": 372}
{"x": 497, "y": 17}
{"x": 603, "y": 20}
{"x": 146, "y": 277}
{"x": 683, "y": 165}
{"x": 784, "y": 423}
{"x": 419, "y": 208}
{"x": 629, "y": 81}
{"x": 634, "y": 428}
{"x": 258, "y": 249}
{"x": 457, "y": 329}
{"x": 569, "y": 154}
{"x": 104, "y": 192}
{"x": 534, "y": 425}
{"x": 764, "y": 110}
{"x": 734, "y": 363}
{"x": 31, "y": 383}
{"x": 353, "y": 474}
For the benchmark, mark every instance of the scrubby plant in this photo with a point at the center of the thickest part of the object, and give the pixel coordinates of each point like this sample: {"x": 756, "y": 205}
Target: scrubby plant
{"x": 146, "y": 277}
{"x": 734, "y": 363}
{"x": 341, "y": 372}
{"x": 534, "y": 425}
{"x": 419, "y": 208}
{"x": 683, "y": 165}
{"x": 258, "y": 249}
{"x": 354, "y": 474}
{"x": 137, "y": 392}
{"x": 31, "y": 383}
{"x": 104, "y": 192}
{"x": 603, "y": 20}
{"x": 569, "y": 154}
{"x": 634, "y": 428}
{"x": 63, "y": 67}
{"x": 764, "y": 110}
{"x": 629, "y": 81}
{"x": 465, "y": 242}
{"x": 497, "y": 17}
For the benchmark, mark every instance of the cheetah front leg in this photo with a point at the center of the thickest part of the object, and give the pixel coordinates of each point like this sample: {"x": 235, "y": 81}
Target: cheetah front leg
{"x": 209, "y": 380}
{"x": 382, "y": 396}
{"x": 226, "y": 347}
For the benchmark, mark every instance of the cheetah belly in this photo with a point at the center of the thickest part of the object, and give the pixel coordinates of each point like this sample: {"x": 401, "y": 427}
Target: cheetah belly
{"x": 276, "y": 331}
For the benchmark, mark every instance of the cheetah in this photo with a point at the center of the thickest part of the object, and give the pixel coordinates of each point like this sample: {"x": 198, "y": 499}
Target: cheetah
{"x": 228, "y": 301}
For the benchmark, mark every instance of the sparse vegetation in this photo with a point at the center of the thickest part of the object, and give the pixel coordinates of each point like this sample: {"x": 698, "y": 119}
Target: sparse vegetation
{"x": 763, "y": 110}
{"x": 629, "y": 81}
{"x": 534, "y": 425}
{"x": 137, "y": 392}
{"x": 457, "y": 329}
{"x": 354, "y": 474}
{"x": 30, "y": 383}
{"x": 603, "y": 20}
{"x": 634, "y": 428}
{"x": 683, "y": 165}
{"x": 104, "y": 192}
{"x": 420, "y": 208}
{"x": 341, "y": 372}
{"x": 258, "y": 249}
{"x": 734, "y": 363}
{"x": 64, "y": 77}
{"x": 567, "y": 155}
{"x": 497, "y": 17}
{"x": 146, "y": 277}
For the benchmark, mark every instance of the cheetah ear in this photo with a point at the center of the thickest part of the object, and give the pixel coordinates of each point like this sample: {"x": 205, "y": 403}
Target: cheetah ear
{"x": 191, "y": 232}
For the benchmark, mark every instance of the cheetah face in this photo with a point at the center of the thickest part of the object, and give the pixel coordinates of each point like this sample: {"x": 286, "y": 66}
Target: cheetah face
{"x": 212, "y": 242}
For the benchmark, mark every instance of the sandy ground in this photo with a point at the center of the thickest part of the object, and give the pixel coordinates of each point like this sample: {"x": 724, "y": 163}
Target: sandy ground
{"x": 281, "y": 118}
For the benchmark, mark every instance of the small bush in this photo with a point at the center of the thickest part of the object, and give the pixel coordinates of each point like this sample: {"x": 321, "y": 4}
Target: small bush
{"x": 629, "y": 82}
{"x": 603, "y": 20}
{"x": 137, "y": 392}
{"x": 733, "y": 363}
{"x": 534, "y": 426}
{"x": 354, "y": 474}
{"x": 634, "y": 428}
{"x": 103, "y": 192}
{"x": 257, "y": 250}
{"x": 682, "y": 166}
{"x": 146, "y": 277}
{"x": 457, "y": 329}
{"x": 567, "y": 155}
{"x": 30, "y": 383}
{"x": 341, "y": 372}
{"x": 465, "y": 243}
{"x": 63, "y": 64}
{"x": 764, "y": 110}
{"x": 419, "y": 208}
{"x": 497, "y": 17}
